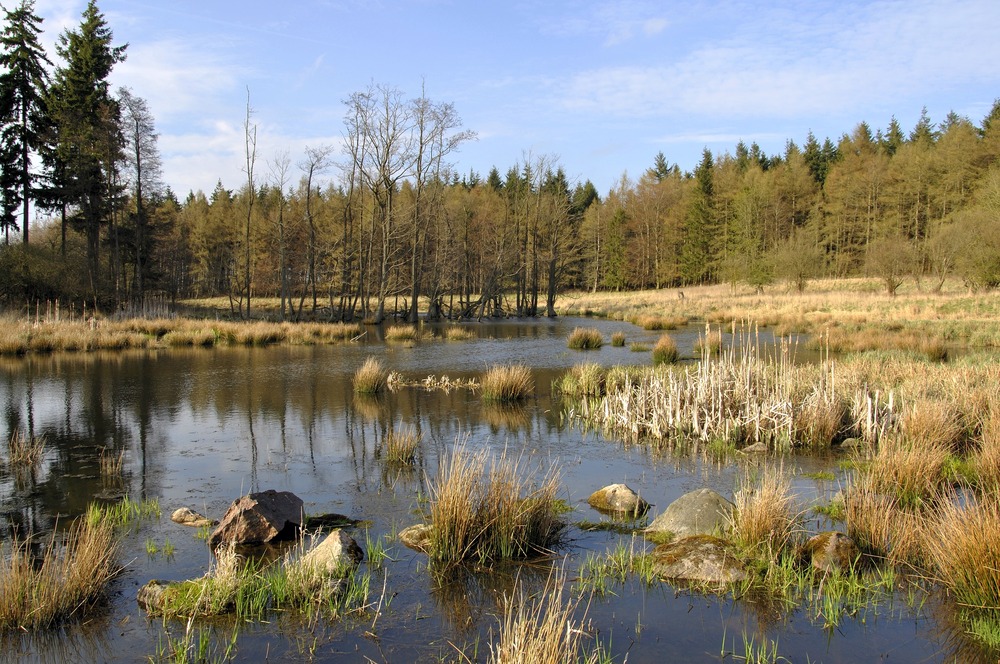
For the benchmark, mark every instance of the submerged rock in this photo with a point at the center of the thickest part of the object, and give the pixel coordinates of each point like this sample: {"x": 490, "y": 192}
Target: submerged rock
{"x": 258, "y": 518}
{"x": 618, "y": 499}
{"x": 188, "y": 517}
{"x": 150, "y": 596}
{"x": 830, "y": 551}
{"x": 417, "y": 537}
{"x": 701, "y": 558}
{"x": 701, "y": 512}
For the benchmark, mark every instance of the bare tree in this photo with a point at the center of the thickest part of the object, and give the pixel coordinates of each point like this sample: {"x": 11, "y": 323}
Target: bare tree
{"x": 279, "y": 177}
{"x": 317, "y": 160}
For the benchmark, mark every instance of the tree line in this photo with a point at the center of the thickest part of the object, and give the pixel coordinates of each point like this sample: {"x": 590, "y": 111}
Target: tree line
{"x": 384, "y": 223}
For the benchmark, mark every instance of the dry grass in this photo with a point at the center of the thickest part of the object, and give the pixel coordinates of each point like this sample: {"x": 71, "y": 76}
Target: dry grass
{"x": 618, "y": 339}
{"x": 911, "y": 471}
{"x": 708, "y": 344}
{"x": 23, "y": 336}
{"x": 371, "y": 377}
{"x": 507, "y": 383}
{"x": 986, "y": 458}
{"x": 655, "y": 323}
{"x": 882, "y": 526}
{"x": 585, "y": 338}
{"x": 23, "y": 450}
{"x": 542, "y": 629}
{"x": 486, "y": 509}
{"x": 458, "y": 333}
{"x": 764, "y": 518}
{"x": 400, "y": 446}
{"x": 70, "y": 576}
{"x": 964, "y": 546}
{"x": 665, "y": 351}
{"x": 402, "y": 333}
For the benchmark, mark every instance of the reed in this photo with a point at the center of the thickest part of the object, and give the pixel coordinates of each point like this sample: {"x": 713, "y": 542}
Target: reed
{"x": 708, "y": 344}
{"x": 69, "y": 577}
{"x": 24, "y": 450}
{"x": 665, "y": 351}
{"x": 763, "y": 520}
{"x": 486, "y": 509}
{"x": 400, "y": 446}
{"x": 585, "y": 338}
{"x": 507, "y": 383}
{"x": 543, "y": 629}
{"x": 964, "y": 545}
{"x": 371, "y": 377}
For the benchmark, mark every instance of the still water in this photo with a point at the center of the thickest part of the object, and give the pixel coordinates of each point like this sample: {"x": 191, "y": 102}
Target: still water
{"x": 201, "y": 427}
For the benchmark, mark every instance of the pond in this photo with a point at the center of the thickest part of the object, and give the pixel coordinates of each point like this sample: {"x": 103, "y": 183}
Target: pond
{"x": 200, "y": 428}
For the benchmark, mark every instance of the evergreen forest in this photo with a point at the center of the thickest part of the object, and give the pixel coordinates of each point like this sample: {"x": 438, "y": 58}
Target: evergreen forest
{"x": 385, "y": 226}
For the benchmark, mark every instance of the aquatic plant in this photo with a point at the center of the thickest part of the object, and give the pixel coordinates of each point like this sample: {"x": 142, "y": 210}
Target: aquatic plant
{"x": 371, "y": 377}
{"x": 504, "y": 383}
{"x": 585, "y": 338}
{"x": 485, "y": 508}
{"x": 665, "y": 351}
{"x": 402, "y": 333}
{"x": 583, "y": 380}
{"x": 69, "y": 577}
{"x": 400, "y": 446}
{"x": 25, "y": 450}
{"x": 618, "y": 339}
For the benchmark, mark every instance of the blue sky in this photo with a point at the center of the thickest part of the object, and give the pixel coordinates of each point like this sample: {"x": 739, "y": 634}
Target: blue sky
{"x": 602, "y": 86}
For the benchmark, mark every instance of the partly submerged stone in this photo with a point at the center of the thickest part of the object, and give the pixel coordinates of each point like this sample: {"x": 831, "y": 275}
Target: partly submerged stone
{"x": 618, "y": 499}
{"x": 258, "y": 518}
{"x": 150, "y": 596}
{"x": 701, "y": 512}
{"x": 338, "y": 551}
{"x": 700, "y": 558}
{"x": 417, "y": 537}
{"x": 831, "y": 550}
{"x": 188, "y": 517}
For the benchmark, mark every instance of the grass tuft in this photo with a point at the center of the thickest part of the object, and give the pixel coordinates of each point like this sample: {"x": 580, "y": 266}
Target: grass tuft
{"x": 400, "y": 446}
{"x": 506, "y": 383}
{"x": 763, "y": 520}
{"x": 618, "y": 339}
{"x": 25, "y": 451}
{"x": 486, "y": 509}
{"x": 665, "y": 351}
{"x": 371, "y": 377}
{"x": 585, "y": 338}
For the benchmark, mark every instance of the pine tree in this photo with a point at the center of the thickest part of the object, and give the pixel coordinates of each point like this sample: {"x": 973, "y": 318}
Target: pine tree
{"x": 696, "y": 252}
{"x": 23, "y": 85}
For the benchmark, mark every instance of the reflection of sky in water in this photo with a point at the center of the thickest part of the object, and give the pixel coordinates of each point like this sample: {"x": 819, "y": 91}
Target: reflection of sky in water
{"x": 201, "y": 427}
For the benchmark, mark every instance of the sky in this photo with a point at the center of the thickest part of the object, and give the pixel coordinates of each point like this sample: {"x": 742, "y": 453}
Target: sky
{"x": 597, "y": 87}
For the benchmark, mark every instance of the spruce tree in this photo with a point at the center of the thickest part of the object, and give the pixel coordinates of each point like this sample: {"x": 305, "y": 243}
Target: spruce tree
{"x": 87, "y": 141}
{"x": 23, "y": 85}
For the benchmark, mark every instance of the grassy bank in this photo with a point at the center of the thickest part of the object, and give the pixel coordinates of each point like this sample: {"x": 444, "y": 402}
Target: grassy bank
{"x": 854, "y": 314}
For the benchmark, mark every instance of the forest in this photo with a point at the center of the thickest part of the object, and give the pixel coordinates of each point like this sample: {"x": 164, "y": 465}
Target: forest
{"x": 384, "y": 225}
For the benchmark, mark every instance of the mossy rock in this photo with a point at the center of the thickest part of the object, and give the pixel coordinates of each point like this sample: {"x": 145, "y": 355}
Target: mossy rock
{"x": 701, "y": 512}
{"x": 417, "y": 537}
{"x": 618, "y": 500}
{"x": 700, "y": 559}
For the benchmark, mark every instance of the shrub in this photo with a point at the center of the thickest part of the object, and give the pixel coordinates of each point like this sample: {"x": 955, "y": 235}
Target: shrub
{"x": 371, "y": 377}
{"x": 585, "y": 338}
{"x": 507, "y": 383}
{"x": 665, "y": 351}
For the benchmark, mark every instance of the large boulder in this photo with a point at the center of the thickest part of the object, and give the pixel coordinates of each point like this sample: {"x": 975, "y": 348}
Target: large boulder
{"x": 618, "y": 499}
{"x": 338, "y": 551}
{"x": 831, "y": 551}
{"x": 258, "y": 518}
{"x": 701, "y": 558}
{"x": 701, "y": 512}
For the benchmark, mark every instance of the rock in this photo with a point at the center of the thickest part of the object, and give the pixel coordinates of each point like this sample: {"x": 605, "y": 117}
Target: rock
{"x": 700, "y": 558}
{"x": 618, "y": 499}
{"x": 850, "y": 443}
{"x": 188, "y": 517}
{"x": 756, "y": 448}
{"x": 701, "y": 512}
{"x": 338, "y": 551}
{"x": 417, "y": 537}
{"x": 150, "y": 596}
{"x": 330, "y": 521}
{"x": 258, "y": 518}
{"x": 830, "y": 551}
